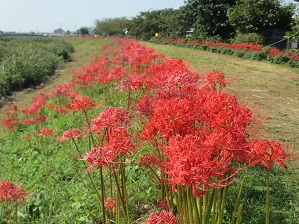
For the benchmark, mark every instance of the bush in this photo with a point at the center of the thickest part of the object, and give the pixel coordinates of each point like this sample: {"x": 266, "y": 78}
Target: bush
{"x": 226, "y": 50}
{"x": 214, "y": 50}
{"x": 239, "y": 53}
{"x": 247, "y": 55}
{"x": 281, "y": 59}
{"x": 258, "y": 56}
{"x": 250, "y": 38}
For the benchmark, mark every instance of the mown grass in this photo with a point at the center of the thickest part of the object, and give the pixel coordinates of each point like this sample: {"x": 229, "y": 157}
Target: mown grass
{"x": 69, "y": 198}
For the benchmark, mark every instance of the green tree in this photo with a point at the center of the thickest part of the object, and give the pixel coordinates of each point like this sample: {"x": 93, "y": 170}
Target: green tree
{"x": 111, "y": 26}
{"x": 256, "y": 16}
{"x": 166, "y": 22}
{"x": 83, "y": 31}
{"x": 209, "y": 17}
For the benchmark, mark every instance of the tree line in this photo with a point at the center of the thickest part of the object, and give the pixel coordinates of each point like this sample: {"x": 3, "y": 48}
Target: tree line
{"x": 222, "y": 19}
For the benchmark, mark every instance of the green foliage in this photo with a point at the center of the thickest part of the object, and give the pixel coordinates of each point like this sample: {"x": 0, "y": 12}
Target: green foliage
{"x": 281, "y": 59}
{"x": 258, "y": 56}
{"x": 239, "y": 53}
{"x": 209, "y": 17}
{"x": 111, "y": 26}
{"x": 226, "y": 50}
{"x": 28, "y": 62}
{"x": 267, "y": 14}
{"x": 83, "y": 31}
{"x": 250, "y": 38}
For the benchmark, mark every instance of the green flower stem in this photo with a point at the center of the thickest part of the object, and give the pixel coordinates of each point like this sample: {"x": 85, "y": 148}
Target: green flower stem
{"x": 268, "y": 197}
{"x": 237, "y": 204}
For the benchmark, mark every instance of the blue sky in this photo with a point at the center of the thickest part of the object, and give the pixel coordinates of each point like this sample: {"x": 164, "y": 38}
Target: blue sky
{"x": 47, "y": 15}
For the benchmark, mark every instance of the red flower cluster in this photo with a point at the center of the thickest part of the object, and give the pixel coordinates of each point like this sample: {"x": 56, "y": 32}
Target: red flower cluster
{"x": 164, "y": 217}
{"x": 82, "y": 103}
{"x": 274, "y": 52}
{"x": 71, "y": 134}
{"x": 11, "y": 192}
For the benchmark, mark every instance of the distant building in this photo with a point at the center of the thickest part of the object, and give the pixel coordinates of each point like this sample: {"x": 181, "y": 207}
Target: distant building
{"x": 59, "y": 31}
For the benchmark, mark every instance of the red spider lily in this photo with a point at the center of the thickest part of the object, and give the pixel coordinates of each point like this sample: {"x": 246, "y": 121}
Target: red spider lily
{"x": 294, "y": 56}
{"x": 82, "y": 103}
{"x": 267, "y": 152}
{"x": 14, "y": 107}
{"x": 9, "y": 112}
{"x": 99, "y": 157}
{"x": 27, "y": 138}
{"x": 274, "y": 52}
{"x": 63, "y": 89}
{"x": 145, "y": 105}
{"x": 110, "y": 117}
{"x": 119, "y": 141}
{"x": 39, "y": 102}
{"x": 59, "y": 108}
{"x": 35, "y": 120}
{"x": 110, "y": 203}
{"x": 71, "y": 134}
{"x": 46, "y": 132}
{"x": 11, "y": 192}
{"x": 191, "y": 164}
{"x": 171, "y": 117}
{"x": 216, "y": 78}
{"x": 10, "y": 123}
{"x": 164, "y": 217}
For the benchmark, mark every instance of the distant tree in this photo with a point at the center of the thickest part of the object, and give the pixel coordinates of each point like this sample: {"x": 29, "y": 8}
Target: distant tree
{"x": 209, "y": 17}
{"x": 111, "y": 26}
{"x": 256, "y": 16}
{"x": 165, "y": 22}
{"x": 83, "y": 31}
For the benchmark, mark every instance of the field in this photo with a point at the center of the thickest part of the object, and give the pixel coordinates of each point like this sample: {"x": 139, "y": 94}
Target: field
{"x": 60, "y": 190}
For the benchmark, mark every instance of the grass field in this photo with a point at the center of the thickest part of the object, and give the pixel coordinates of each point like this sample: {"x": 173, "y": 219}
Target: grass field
{"x": 271, "y": 90}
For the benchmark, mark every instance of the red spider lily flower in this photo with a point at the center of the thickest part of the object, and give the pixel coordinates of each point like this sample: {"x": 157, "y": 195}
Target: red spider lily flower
{"x": 110, "y": 117}
{"x": 29, "y": 121}
{"x": 59, "y": 108}
{"x": 71, "y": 134}
{"x": 164, "y": 217}
{"x": 99, "y": 157}
{"x": 267, "y": 152}
{"x": 110, "y": 203}
{"x": 11, "y": 192}
{"x": 171, "y": 117}
{"x": 9, "y": 112}
{"x": 191, "y": 164}
{"x": 10, "y": 123}
{"x": 82, "y": 103}
{"x": 38, "y": 103}
{"x": 119, "y": 141}
{"x": 46, "y": 132}
{"x": 14, "y": 107}
{"x": 216, "y": 78}
{"x": 27, "y": 138}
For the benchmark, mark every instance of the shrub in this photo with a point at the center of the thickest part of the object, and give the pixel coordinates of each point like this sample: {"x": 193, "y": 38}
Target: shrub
{"x": 281, "y": 59}
{"x": 258, "y": 56}
{"x": 226, "y": 50}
{"x": 239, "y": 53}
{"x": 250, "y": 38}
{"x": 247, "y": 55}
{"x": 214, "y": 49}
